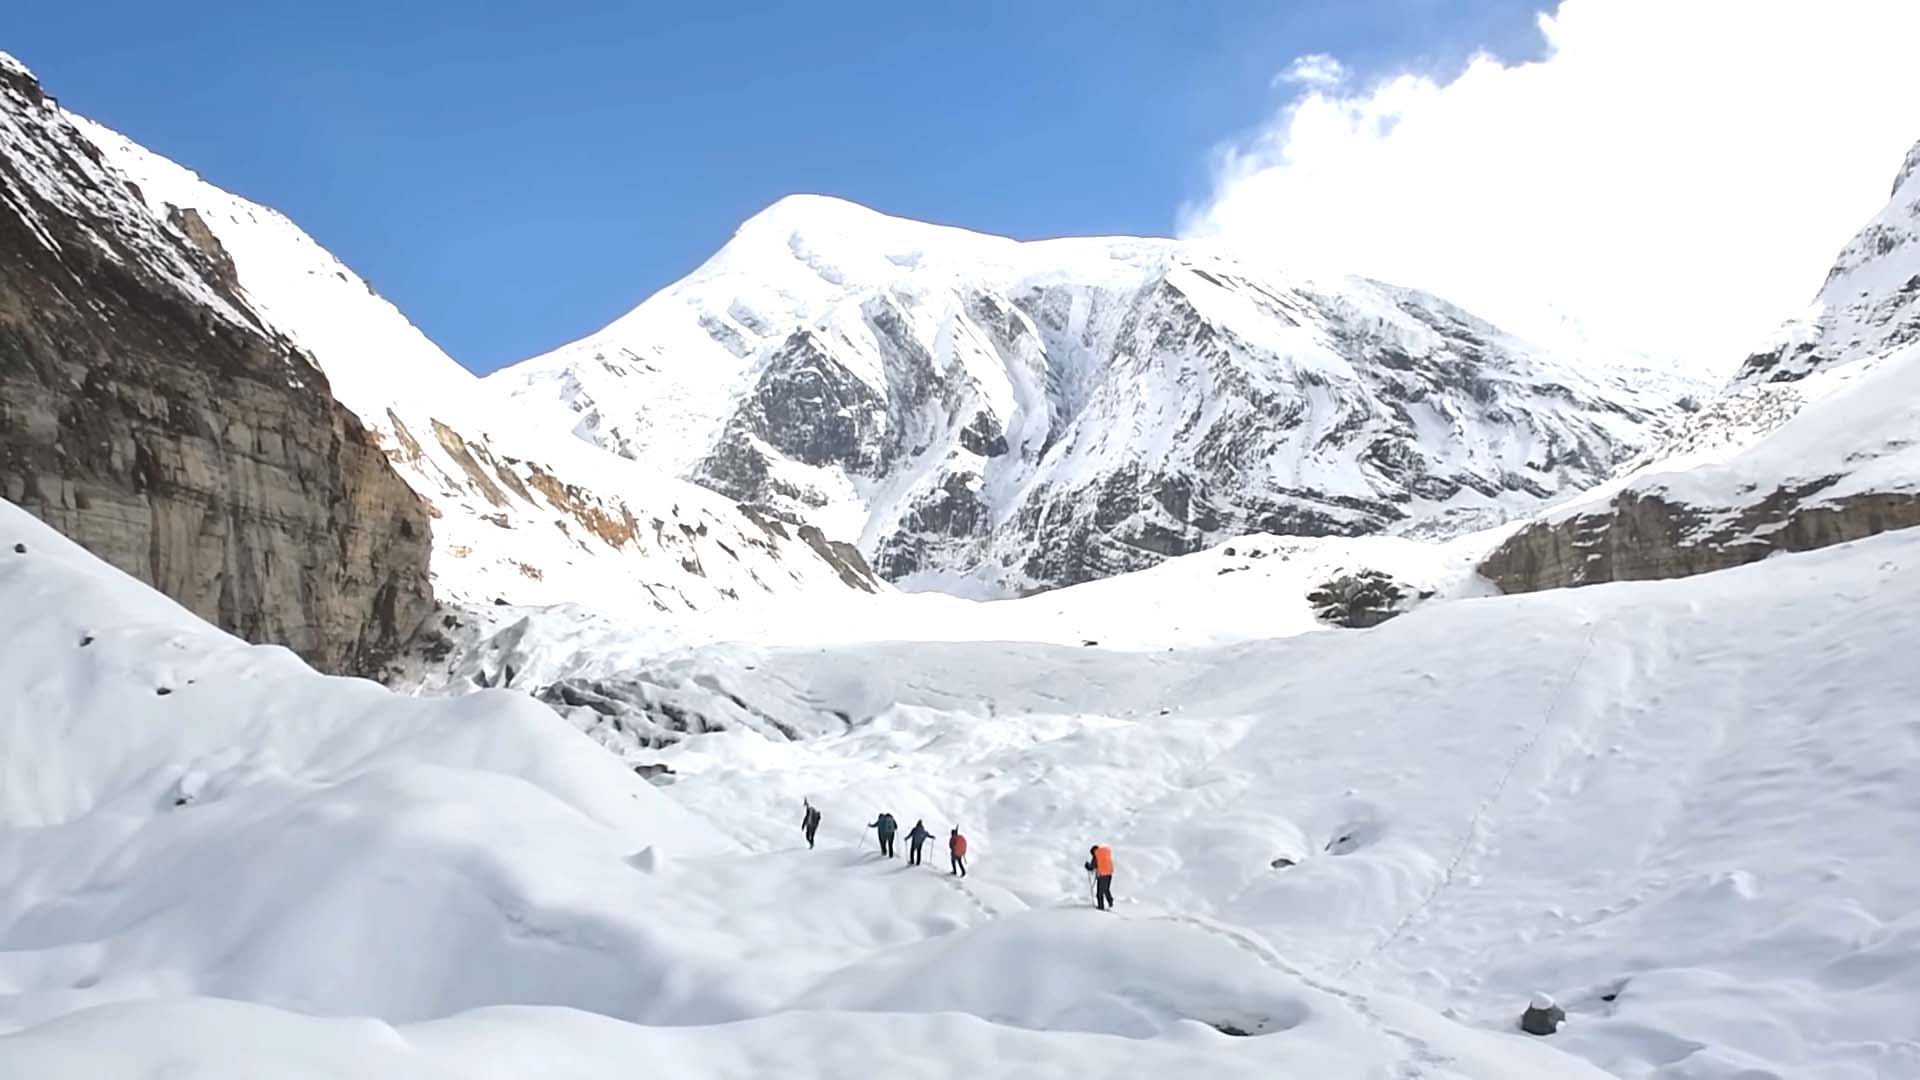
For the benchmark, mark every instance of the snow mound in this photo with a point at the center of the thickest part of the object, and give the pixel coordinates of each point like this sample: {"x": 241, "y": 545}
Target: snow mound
{"x": 183, "y": 813}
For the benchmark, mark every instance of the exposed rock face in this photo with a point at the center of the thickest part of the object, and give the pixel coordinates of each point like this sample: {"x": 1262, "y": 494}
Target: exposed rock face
{"x": 1641, "y": 537}
{"x": 1001, "y": 417}
{"x": 148, "y": 414}
{"x": 1811, "y": 445}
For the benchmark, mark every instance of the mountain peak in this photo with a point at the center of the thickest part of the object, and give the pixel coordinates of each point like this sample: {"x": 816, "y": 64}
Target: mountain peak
{"x": 804, "y": 209}
{"x": 835, "y": 237}
{"x": 1907, "y": 169}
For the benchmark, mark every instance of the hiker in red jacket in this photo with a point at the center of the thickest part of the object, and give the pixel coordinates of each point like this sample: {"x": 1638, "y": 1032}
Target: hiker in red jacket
{"x": 957, "y": 847}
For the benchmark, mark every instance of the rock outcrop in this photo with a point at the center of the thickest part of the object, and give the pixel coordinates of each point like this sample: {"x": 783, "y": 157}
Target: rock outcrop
{"x": 148, "y": 413}
{"x": 1644, "y": 536}
{"x": 1359, "y": 600}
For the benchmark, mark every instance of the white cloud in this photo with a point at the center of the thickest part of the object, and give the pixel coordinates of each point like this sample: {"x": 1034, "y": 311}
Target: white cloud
{"x": 1675, "y": 176}
{"x": 1315, "y": 69}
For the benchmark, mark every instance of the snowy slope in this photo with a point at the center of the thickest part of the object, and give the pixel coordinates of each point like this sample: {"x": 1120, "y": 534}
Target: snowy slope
{"x": 1607, "y": 792}
{"x": 183, "y": 813}
{"x": 1677, "y": 827}
{"x": 1870, "y": 303}
{"x": 635, "y": 684}
{"x": 991, "y": 416}
{"x": 517, "y": 515}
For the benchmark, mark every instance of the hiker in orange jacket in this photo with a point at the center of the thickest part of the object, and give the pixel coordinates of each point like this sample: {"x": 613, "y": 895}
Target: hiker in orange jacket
{"x": 1101, "y": 865}
{"x": 957, "y": 847}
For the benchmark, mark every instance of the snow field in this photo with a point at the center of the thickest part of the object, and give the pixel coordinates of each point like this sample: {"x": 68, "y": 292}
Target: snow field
{"x": 1683, "y": 834}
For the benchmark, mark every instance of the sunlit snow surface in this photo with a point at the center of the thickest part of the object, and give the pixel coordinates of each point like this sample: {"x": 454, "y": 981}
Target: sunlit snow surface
{"x": 1681, "y": 808}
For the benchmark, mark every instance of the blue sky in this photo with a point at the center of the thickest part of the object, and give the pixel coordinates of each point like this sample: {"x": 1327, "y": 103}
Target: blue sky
{"x": 515, "y": 175}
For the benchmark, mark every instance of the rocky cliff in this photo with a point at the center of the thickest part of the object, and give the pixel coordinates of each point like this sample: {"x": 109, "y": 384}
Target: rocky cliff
{"x": 1812, "y": 444}
{"x": 147, "y": 412}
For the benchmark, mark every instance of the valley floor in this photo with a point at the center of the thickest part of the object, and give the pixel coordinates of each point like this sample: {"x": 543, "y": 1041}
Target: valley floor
{"x": 1681, "y": 808}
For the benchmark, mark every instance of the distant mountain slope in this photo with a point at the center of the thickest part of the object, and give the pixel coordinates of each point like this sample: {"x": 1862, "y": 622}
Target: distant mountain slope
{"x": 1813, "y": 443}
{"x": 516, "y": 516}
{"x": 148, "y": 412}
{"x": 994, "y": 416}
{"x": 1870, "y": 304}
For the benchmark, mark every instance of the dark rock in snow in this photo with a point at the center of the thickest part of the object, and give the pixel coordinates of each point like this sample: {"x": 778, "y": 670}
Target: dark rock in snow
{"x": 1359, "y": 600}
{"x": 1542, "y": 1017}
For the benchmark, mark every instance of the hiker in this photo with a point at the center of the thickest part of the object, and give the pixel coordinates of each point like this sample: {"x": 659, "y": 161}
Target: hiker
{"x": 886, "y": 827}
{"x": 915, "y": 838}
{"x": 809, "y": 821}
{"x": 957, "y": 847}
{"x": 1101, "y": 867}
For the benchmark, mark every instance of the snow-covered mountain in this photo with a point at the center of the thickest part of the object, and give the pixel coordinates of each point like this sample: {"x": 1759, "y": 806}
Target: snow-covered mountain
{"x": 518, "y": 516}
{"x": 993, "y": 415}
{"x": 1812, "y": 443}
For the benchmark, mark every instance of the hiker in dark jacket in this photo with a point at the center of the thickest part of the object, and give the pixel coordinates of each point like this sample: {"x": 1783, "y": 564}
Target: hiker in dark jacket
{"x": 957, "y": 847}
{"x": 809, "y": 822}
{"x": 886, "y": 826}
{"x": 916, "y": 837}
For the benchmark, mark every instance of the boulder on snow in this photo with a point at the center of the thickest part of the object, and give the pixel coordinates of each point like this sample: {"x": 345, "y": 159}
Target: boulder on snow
{"x": 1543, "y": 1016}
{"x": 1358, "y": 600}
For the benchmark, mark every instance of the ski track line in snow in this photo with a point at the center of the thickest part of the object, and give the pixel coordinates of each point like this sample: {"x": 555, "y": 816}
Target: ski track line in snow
{"x": 1479, "y": 815}
{"x": 1247, "y": 941}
